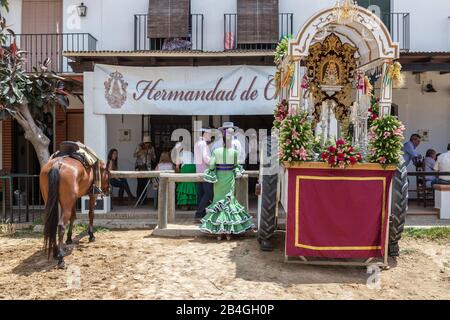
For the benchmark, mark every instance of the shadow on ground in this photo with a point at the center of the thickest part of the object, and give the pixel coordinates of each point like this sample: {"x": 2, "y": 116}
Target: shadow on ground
{"x": 38, "y": 261}
{"x": 254, "y": 265}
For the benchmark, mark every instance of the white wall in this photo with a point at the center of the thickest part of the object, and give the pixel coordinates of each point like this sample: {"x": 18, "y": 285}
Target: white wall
{"x": 95, "y": 126}
{"x": 14, "y": 17}
{"x": 112, "y": 21}
{"x": 431, "y": 111}
{"x": 125, "y": 149}
{"x": 430, "y": 30}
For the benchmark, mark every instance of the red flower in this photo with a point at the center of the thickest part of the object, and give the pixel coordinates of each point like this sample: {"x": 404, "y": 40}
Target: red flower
{"x": 331, "y": 160}
{"x": 332, "y": 149}
{"x": 350, "y": 149}
{"x": 341, "y": 157}
{"x": 352, "y": 160}
{"x": 359, "y": 157}
{"x": 324, "y": 155}
{"x": 340, "y": 142}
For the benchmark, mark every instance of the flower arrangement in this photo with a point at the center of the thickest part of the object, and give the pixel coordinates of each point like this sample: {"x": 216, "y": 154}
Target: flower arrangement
{"x": 282, "y": 49}
{"x": 296, "y": 138}
{"x": 374, "y": 111}
{"x": 341, "y": 155}
{"x": 385, "y": 140}
{"x": 280, "y": 113}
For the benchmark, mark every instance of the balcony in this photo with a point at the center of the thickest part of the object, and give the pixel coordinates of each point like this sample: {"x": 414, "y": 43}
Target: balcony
{"x": 142, "y": 42}
{"x": 42, "y": 46}
{"x": 399, "y": 27}
{"x": 285, "y": 27}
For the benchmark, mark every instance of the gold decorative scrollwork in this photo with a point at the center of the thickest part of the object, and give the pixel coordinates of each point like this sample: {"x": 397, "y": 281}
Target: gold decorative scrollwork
{"x": 332, "y": 63}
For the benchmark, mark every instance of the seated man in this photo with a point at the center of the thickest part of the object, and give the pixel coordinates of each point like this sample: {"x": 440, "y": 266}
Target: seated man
{"x": 443, "y": 165}
{"x": 409, "y": 148}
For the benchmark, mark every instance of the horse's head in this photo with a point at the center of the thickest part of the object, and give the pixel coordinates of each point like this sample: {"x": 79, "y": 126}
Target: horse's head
{"x": 104, "y": 177}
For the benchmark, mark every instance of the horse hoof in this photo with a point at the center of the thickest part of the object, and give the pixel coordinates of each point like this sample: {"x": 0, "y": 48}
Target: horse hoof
{"x": 61, "y": 265}
{"x": 92, "y": 239}
{"x": 69, "y": 241}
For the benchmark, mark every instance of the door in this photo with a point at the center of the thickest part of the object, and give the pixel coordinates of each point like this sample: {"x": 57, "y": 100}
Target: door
{"x": 75, "y": 125}
{"x": 41, "y": 29}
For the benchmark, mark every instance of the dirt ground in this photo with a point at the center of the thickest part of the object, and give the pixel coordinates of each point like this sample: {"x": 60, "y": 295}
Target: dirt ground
{"x": 136, "y": 265}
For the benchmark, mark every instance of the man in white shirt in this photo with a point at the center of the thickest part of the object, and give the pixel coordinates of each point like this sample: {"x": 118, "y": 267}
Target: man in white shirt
{"x": 443, "y": 165}
{"x": 202, "y": 157}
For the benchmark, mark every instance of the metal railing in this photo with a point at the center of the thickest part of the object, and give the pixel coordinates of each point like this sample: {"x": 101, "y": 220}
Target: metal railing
{"x": 231, "y": 41}
{"x": 399, "y": 27}
{"x": 21, "y": 199}
{"x": 52, "y": 45}
{"x": 142, "y": 42}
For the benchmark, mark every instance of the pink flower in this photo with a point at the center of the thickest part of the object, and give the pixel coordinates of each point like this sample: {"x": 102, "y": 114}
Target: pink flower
{"x": 301, "y": 154}
{"x": 341, "y": 164}
{"x": 295, "y": 135}
{"x": 382, "y": 160}
{"x": 387, "y": 134}
{"x": 398, "y": 132}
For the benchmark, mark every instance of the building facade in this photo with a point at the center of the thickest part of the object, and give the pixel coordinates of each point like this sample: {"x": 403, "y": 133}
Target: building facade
{"x": 212, "y": 34}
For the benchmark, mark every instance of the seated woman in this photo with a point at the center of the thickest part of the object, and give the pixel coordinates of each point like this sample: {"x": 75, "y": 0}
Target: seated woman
{"x": 120, "y": 183}
{"x": 164, "y": 164}
{"x": 225, "y": 216}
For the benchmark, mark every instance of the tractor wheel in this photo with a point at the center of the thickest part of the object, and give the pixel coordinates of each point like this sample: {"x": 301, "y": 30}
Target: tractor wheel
{"x": 268, "y": 199}
{"x": 399, "y": 208}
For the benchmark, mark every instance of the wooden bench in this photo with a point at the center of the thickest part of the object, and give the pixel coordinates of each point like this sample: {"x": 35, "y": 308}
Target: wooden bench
{"x": 442, "y": 201}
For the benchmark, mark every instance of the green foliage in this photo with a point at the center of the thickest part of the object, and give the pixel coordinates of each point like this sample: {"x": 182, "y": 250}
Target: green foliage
{"x": 386, "y": 140}
{"x": 282, "y": 49}
{"x": 437, "y": 233}
{"x": 296, "y": 138}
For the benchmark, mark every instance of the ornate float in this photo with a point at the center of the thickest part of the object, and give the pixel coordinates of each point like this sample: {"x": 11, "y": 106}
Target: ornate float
{"x": 341, "y": 181}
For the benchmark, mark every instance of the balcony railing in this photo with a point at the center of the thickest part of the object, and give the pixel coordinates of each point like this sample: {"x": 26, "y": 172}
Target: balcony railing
{"x": 285, "y": 27}
{"x": 142, "y": 42}
{"x": 399, "y": 27}
{"x": 42, "y": 46}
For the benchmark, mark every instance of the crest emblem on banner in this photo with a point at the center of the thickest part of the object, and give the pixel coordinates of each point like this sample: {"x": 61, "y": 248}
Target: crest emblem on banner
{"x": 116, "y": 90}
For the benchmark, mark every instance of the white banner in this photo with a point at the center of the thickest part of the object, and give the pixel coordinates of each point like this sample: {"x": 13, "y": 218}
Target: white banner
{"x": 213, "y": 90}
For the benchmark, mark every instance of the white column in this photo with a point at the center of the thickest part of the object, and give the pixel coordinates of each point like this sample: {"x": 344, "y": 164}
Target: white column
{"x": 385, "y": 94}
{"x": 95, "y": 125}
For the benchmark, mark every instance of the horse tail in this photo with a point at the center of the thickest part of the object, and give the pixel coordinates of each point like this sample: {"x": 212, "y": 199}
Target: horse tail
{"x": 51, "y": 211}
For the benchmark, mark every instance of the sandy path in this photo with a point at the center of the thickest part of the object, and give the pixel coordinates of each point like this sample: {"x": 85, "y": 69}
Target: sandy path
{"x": 133, "y": 264}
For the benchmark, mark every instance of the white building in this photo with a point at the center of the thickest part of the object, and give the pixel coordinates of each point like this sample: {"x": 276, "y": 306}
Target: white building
{"x": 114, "y": 32}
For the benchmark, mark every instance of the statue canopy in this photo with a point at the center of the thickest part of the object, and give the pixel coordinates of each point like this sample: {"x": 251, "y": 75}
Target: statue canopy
{"x": 365, "y": 31}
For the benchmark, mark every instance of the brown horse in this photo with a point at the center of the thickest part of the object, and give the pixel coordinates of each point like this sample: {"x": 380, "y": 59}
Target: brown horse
{"x": 63, "y": 181}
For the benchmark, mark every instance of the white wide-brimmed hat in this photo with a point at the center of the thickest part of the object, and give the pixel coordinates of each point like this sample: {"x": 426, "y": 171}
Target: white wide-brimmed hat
{"x": 146, "y": 139}
{"x": 228, "y": 125}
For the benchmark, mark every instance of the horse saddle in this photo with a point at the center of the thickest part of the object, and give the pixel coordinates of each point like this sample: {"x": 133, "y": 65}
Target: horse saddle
{"x": 85, "y": 155}
{"x": 77, "y": 151}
